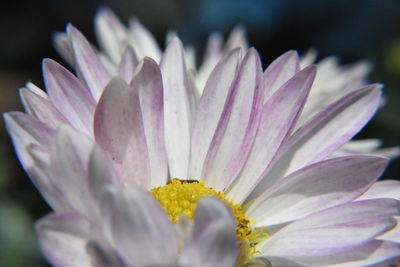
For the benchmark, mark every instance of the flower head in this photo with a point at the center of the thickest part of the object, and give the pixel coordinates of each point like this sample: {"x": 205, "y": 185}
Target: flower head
{"x": 149, "y": 163}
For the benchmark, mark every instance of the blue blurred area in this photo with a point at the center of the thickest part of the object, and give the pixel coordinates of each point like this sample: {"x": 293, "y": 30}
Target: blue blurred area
{"x": 351, "y": 29}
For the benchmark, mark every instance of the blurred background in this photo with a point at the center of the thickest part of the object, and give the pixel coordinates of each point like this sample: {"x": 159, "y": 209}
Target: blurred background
{"x": 351, "y": 30}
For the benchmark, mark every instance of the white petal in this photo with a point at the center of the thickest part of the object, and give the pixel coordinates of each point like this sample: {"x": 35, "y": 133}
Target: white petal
{"x": 383, "y": 189}
{"x": 110, "y": 32}
{"x": 87, "y": 63}
{"x": 139, "y": 228}
{"x": 177, "y": 110}
{"x": 62, "y": 238}
{"x": 143, "y": 41}
{"x": 214, "y": 239}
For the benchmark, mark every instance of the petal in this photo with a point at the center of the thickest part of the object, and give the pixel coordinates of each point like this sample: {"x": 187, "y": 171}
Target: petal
{"x": 177, "y": 110}
{"x": 128, "y": 64}
{"x": 63, "y": 47}
{"x": 110, "y": 32}
{"x": 101, "y": 173}
{"x": 104, "y": 256}
{"x": 88, "y": 65}
{"x": 280, "y": 71}
{"x": 212, "y": 55}
{"x": 24, "y": 130}
{"x": 214, "y": 239}
{"x": 278, "y": 117}
{"x": 148, "y": 83}
{"x": 316, "y": 187}
{"x": 70, "y": 97}
{"x": 62, "y": 238}
{"x": 237, "y": 38}
{"x": 41, "y": 108}
{"x": 332, "y": 230}
{"x": 69, "y": 158}
{"x": 119, "y": 131}
{"x": 143, "y": 41}
{"x": 210, "y": 109}
{"x": 139, "y": 228}
{"x": 383, "y": 189}
{"x": 237, "y": 126}
{"x": 323, "y": 134}
{"x": 374, "y": 252}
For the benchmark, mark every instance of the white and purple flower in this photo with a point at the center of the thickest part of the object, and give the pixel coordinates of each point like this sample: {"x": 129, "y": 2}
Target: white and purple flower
{"x": 147, "y": 162}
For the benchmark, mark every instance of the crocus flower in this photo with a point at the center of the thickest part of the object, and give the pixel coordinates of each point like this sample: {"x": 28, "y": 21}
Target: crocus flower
{"x": 143, "y": 168}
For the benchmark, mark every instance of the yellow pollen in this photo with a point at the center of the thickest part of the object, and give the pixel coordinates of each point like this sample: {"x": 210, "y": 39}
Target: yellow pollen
{"x": 181, "y": 196}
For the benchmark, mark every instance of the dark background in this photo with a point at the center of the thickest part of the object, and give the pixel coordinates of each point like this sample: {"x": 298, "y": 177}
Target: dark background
{"x": 352, "y": 30}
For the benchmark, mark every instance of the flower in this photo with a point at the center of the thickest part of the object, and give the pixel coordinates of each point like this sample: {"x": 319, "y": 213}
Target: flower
{"x": 143, "y": 168}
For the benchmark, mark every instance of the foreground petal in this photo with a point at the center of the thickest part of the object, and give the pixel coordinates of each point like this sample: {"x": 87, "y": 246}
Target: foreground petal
{"x": 316, "y": 187}
{"x": 214, "y": 240}
{"x": 62, "y": 238}
{"x": 138, "y": 227}
{"x": 333, "y": 230}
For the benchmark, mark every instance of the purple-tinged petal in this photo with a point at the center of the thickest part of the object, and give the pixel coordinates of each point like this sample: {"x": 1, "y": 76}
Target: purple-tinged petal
{"x": 213, "y": 240}
{"x": 70, "y": 97}
{"x": 210, "y": 108}
{"x": 63, "y": 47}
{"x": 24, "y": 130}
{"x": 143, "y": 41}
{"x": 316, "y": 187}
{"x": 119, "y": 130}
{"x": 87, "y": 64}
{"x": 279, "y": 115}
{"x": 41, "y": 108}
{"x": 383, "y": 189}
{"x": 372, "y": 253}
{"x": 110, "y": 32}
{"x": 138, "y": 227}
{"x": 333, "y": 230}
{"x": 63, "y": 238}
{"x": 237, "y": 126}
{"x": 148, "y": 83}
{"x": 177, "y": 110}
{"x": 280, "y": 71}
{"x": 128, "y": 64}
{"x": 69, "y": 171}
{"x": 323, "y": 134}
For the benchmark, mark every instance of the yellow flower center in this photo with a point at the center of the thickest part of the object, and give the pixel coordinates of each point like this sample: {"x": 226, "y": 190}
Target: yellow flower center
{"x": 179, "y": 197}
